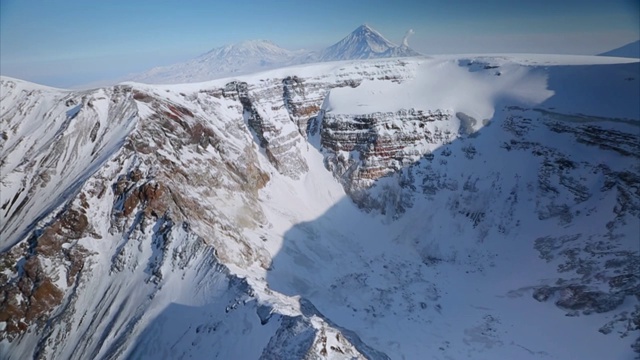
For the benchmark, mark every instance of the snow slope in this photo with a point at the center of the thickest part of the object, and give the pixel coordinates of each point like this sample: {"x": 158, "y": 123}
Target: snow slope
{"x": 220, "y": 219}
{"x": 51, "y": 147}
{"x": 630, "y": 50}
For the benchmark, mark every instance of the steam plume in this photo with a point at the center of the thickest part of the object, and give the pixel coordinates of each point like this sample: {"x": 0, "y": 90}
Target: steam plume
{"x": 405, "y": 40}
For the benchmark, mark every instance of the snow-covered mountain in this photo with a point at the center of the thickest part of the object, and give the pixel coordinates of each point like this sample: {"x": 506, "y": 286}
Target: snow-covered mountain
{"x": 631, "y": 50}
{"x": 259, "y": 55}
{"x": 452, "y": 207}
{"x": 365, "y": 43}
{"x": 229, "y": 60}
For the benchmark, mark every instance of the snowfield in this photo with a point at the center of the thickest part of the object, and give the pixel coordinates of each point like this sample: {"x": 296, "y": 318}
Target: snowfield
{"x": 447, "y": 207}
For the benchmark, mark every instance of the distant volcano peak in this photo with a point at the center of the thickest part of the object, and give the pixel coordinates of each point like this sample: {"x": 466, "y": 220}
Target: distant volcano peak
{"x": 365, "y": 43}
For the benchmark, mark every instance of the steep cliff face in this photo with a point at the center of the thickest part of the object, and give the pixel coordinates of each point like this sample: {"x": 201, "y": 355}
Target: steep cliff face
{"x": 278, "y": 109}
{"x": 303, "y": 101}
{"x": 270, "y": 123}
{"x": 217, "y": 219}
{"x": 147, "y": 220}
{"x": 363, "y": 148}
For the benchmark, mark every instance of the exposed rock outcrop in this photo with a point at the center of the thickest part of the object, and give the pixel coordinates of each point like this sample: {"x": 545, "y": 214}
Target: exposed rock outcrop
{"x": 363, "y": 148}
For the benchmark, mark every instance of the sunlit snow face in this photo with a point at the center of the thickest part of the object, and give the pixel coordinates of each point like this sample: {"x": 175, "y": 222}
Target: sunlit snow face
{"x": 445, "y": 85}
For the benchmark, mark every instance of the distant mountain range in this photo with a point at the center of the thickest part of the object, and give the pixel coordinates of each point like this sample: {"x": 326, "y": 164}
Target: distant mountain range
{"x": 631, "y": 50}
{"x": 257, "y": 55}
{"x": 228, "y": 60}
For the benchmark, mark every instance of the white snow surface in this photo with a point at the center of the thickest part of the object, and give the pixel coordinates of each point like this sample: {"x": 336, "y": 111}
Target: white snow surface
{"x": 443, "y": 85}
{"x": 47, "y": 152}
{"x": 425, "y": 285}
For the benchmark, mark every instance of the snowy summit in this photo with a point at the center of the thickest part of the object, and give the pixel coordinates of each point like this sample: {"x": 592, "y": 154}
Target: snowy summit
{"x": 366, "y": 43}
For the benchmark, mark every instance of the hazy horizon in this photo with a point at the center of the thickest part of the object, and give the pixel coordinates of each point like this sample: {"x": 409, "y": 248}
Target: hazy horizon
{"x": 70, "y": 43}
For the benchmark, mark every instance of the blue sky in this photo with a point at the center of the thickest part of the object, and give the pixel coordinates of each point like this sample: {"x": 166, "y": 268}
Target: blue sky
{"x": 66, "y": 43}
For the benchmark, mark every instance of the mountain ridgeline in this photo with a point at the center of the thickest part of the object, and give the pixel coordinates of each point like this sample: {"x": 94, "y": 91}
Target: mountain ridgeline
{"x": 258, "y": 55}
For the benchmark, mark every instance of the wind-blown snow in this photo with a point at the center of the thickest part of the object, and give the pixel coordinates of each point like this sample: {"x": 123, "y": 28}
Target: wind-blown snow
{"x": 443, "y": 85}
